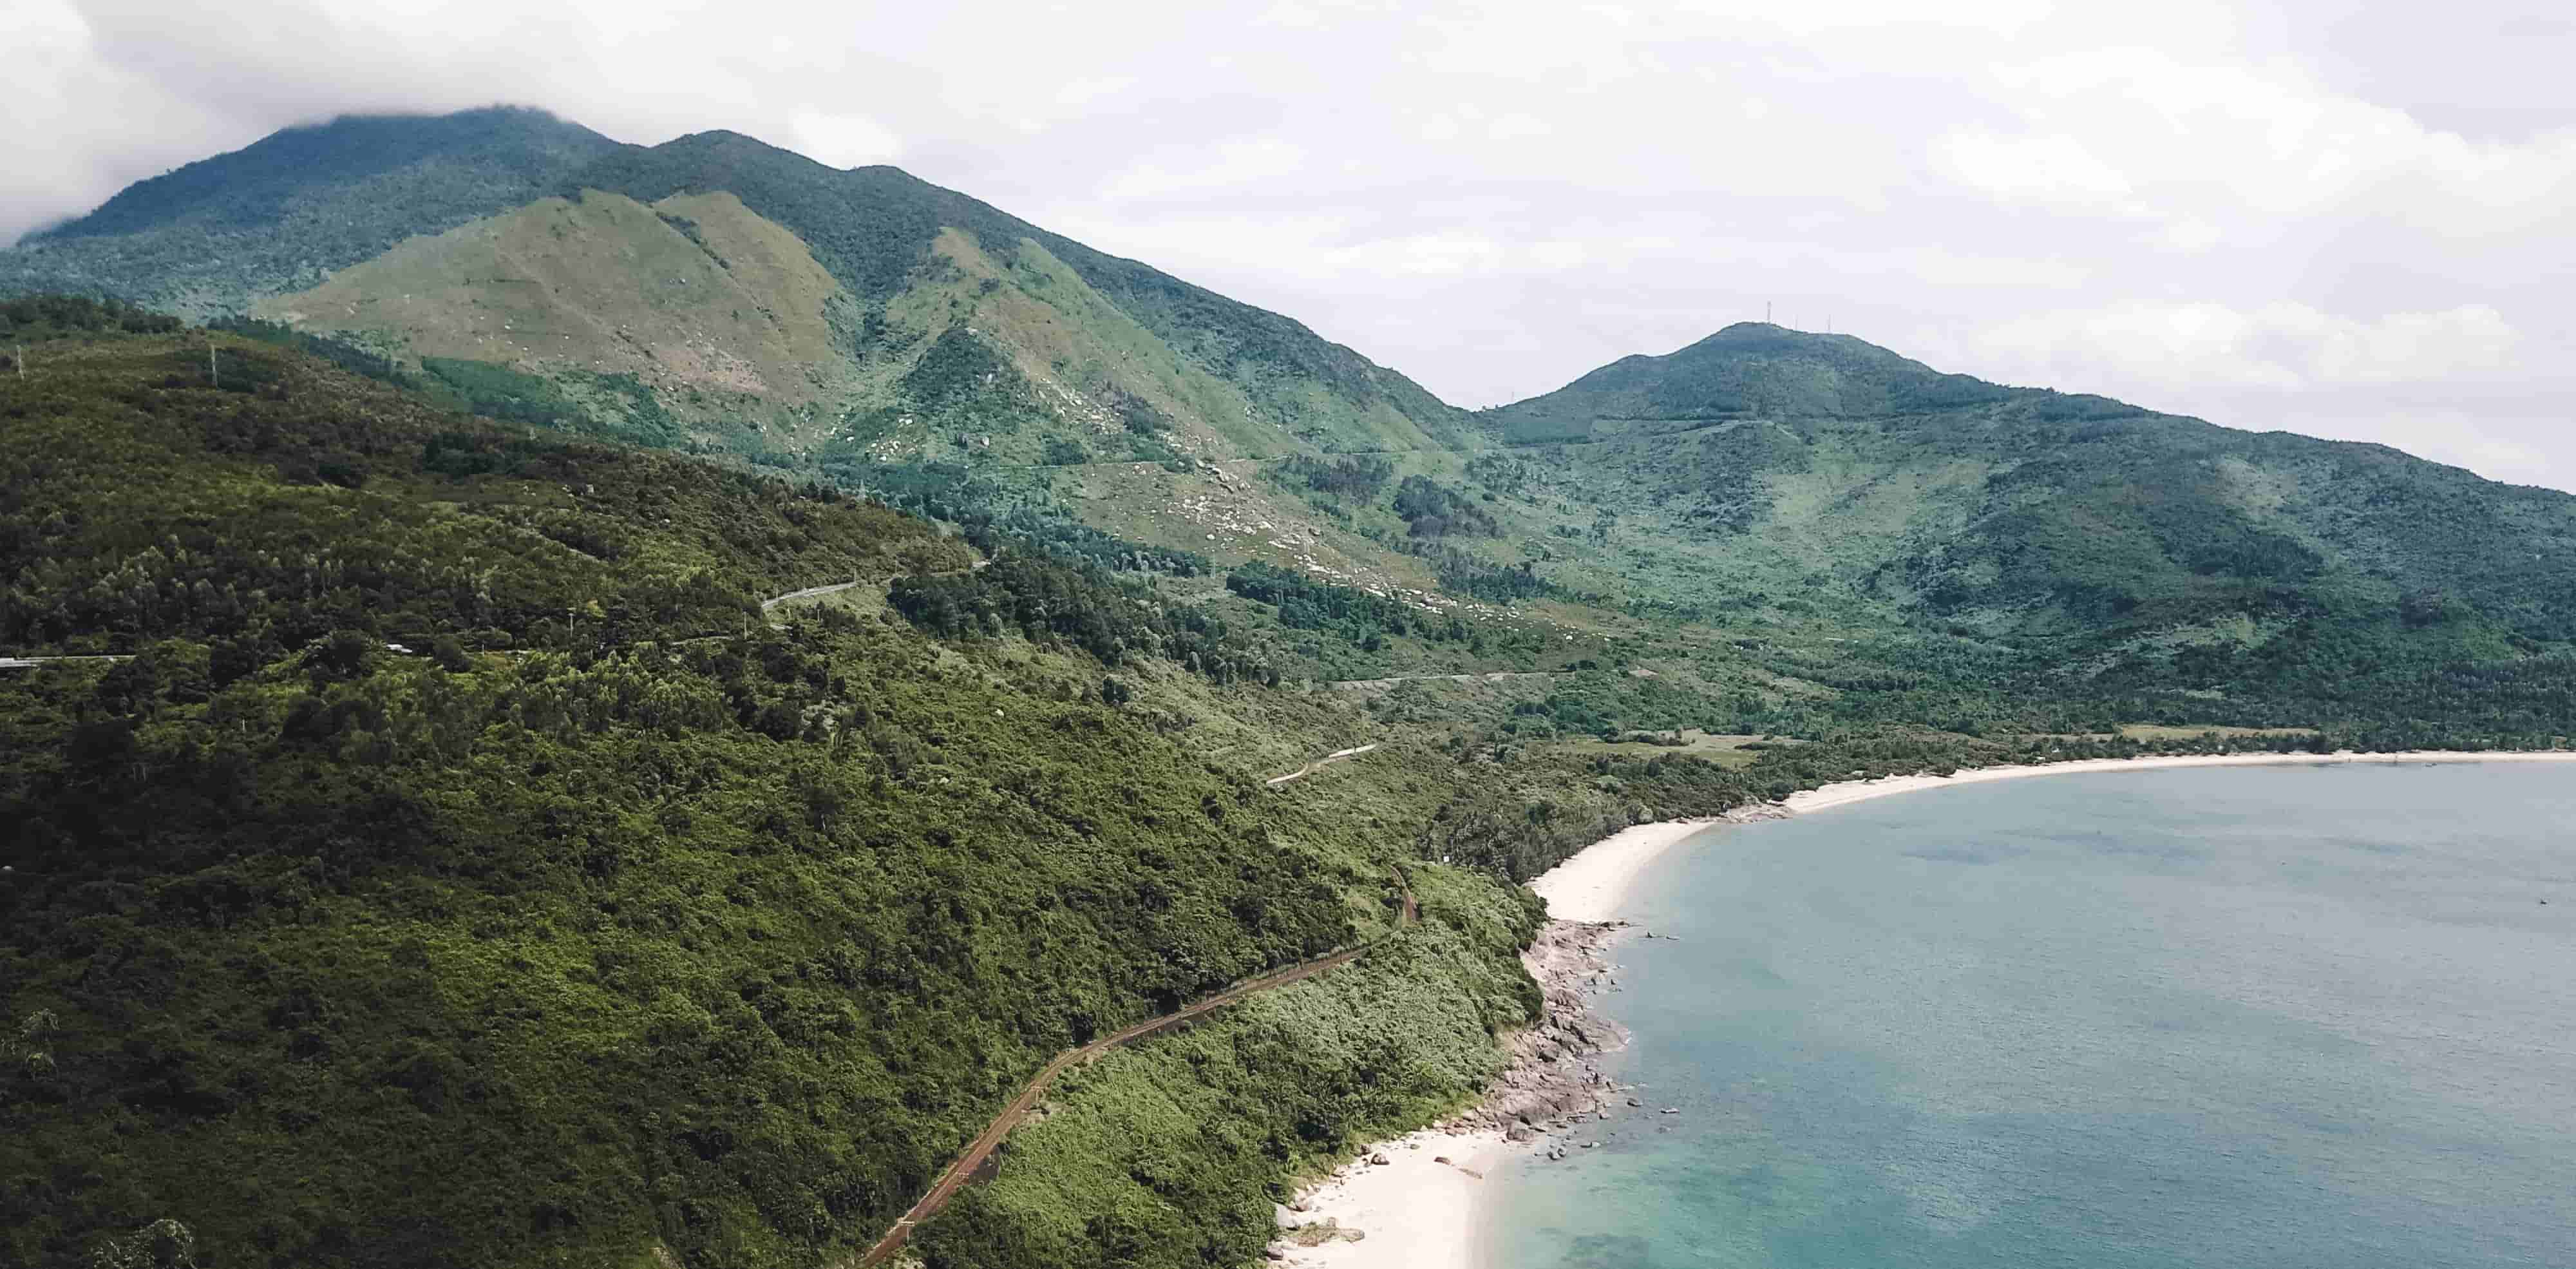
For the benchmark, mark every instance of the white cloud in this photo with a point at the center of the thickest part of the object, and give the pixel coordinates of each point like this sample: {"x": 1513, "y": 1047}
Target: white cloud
{"x": 843, "y": 140}
{"x": 2282, "y": 345}
{"x": 1236, "y": 164}
{"x": 2267, "y": 139}
{"x": 2056, "y": 170}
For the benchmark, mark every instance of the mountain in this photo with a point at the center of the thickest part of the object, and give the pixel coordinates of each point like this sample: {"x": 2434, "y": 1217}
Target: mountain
{"x": 1748, "y": 370}
{"x": 718, "y": 291}
{"x": 294, "y": 207}
{"x": 1827, "y": 469}
{"x": 723, "y": 297}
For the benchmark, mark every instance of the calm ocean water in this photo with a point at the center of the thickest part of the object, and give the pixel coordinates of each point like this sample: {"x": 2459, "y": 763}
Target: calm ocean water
{"x": 2283, "y": 1016}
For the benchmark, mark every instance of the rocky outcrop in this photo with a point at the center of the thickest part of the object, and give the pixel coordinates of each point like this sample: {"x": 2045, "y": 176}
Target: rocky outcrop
{"x": 1552, "y": 1081}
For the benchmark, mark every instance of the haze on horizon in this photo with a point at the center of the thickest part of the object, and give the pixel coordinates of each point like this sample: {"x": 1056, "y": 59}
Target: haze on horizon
{"x": 2317, "y": 215}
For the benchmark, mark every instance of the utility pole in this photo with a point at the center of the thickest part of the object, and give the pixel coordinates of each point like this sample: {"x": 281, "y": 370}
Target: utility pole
{"x": 212, "y": 378}
{"x": 22, "y": 361}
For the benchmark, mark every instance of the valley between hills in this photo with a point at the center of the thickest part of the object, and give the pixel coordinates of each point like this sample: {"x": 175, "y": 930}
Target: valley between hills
{"x": 437, "y": 845}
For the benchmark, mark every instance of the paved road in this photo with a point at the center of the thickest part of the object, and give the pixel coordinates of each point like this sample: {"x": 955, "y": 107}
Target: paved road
{"x": 977, "y": 1151}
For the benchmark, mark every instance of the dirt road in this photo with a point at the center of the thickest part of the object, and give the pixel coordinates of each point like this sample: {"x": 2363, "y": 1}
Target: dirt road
{"x": 982, "y": 1147}
{"x": 1325, "y": 761}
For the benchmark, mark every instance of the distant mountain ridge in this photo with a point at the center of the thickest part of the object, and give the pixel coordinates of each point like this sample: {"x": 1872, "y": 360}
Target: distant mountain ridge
{"x": 1820, "y": 465}
{"x": 1132, "y": 353}
{"x": 1748, "y": 369}
{"x": 718, "y": 294}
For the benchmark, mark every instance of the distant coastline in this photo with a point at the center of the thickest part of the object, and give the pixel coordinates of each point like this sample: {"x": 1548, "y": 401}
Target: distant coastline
{"x": 1593, "y": 884}
{"x": 1426, "y": 1214}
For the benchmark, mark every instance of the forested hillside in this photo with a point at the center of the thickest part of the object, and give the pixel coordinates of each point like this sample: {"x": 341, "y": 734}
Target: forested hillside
{"x": 600, "y": 915}
{"x": 1821, "y": 474}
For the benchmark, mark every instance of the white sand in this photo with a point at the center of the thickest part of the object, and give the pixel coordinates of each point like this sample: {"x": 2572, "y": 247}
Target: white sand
{"x": 1416, "y": 1214}
{"x": 1422, "y": 1215}
{"x": 1592, "y": 883}
{"x": 1851, "y": 791}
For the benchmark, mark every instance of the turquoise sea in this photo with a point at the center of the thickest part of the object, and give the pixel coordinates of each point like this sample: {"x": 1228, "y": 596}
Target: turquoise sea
{"x": 2260, "y": 1016}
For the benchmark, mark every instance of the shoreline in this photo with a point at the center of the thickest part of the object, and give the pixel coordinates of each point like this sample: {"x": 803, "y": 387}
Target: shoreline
{"x": 1417, "y": 1210}
{"x": 1593, "y": 883}
{"x": 1412, "y": 1203}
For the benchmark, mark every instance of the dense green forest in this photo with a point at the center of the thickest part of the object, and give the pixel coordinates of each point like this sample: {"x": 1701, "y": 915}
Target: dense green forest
{"x": 600, "y": 914}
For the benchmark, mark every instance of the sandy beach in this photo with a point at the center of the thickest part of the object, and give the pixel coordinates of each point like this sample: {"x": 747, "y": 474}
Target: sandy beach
{"x": 1413, "y": 1210}
{"x": 1850, "y": 791}
{"x": 1416, "y": 1213}
{"x": 1591, "y": 884}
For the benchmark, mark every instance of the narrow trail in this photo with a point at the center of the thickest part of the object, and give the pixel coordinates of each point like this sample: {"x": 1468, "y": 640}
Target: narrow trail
{"x": 981, "y": 1148}
{"x": 1338, "y": 755}
{"x": 1491, "y": 676}
{"x": 809, "y": 592}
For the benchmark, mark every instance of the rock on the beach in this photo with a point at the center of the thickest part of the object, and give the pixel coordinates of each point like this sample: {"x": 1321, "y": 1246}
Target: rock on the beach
{"x": 1379, "y": 1159}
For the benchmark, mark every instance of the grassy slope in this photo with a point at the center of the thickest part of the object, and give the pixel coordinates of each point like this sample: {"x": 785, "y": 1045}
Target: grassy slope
{"x": 873, "y": 226}
{"x": 724, "y": 316}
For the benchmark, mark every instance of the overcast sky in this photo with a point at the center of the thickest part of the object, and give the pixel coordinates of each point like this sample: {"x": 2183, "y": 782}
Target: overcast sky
{"x": 2347, "y": 218}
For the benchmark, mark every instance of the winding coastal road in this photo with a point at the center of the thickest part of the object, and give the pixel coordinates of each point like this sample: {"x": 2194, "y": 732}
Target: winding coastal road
{"x": 963, "y": 1168}
{"x": 981, "y": 1148}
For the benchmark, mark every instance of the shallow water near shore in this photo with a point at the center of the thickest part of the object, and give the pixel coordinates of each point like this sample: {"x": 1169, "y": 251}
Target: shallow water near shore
{"x": 2287, "y": 1016}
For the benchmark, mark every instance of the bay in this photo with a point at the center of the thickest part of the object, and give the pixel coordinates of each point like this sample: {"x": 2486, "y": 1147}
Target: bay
{"x": 2274, "y": 1016}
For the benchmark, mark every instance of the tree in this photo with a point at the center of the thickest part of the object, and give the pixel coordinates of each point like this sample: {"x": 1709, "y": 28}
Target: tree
{"x": 163, "y": 1244}
{"x": 28, "y": 1048}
